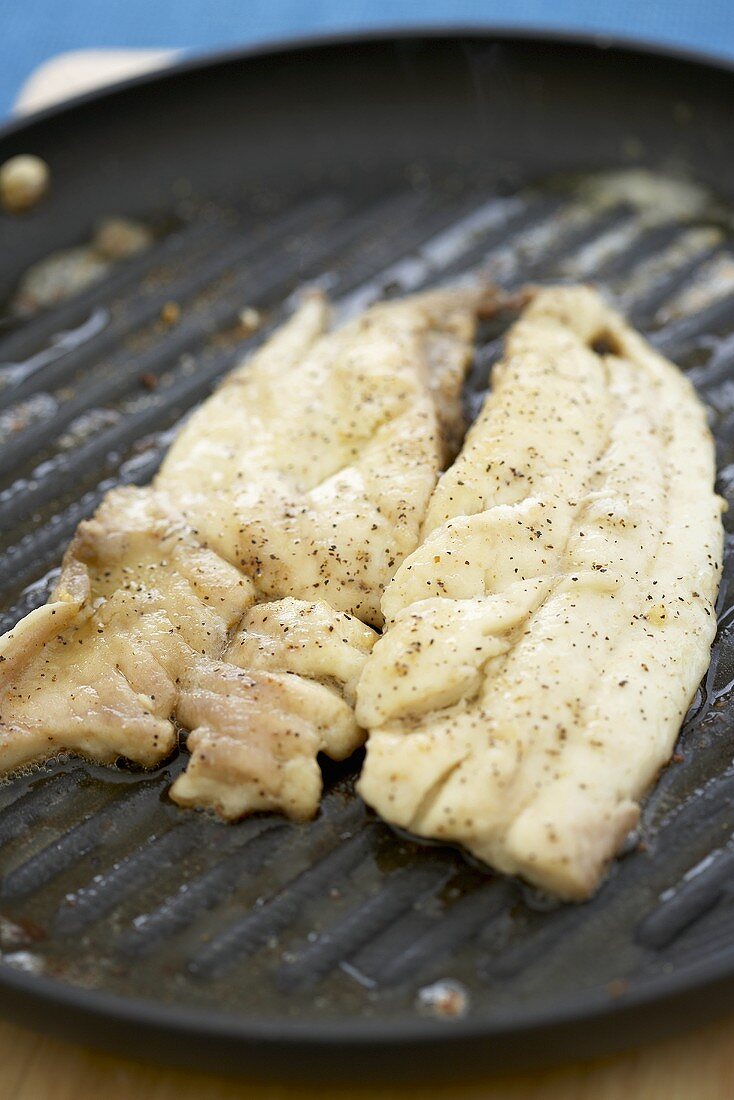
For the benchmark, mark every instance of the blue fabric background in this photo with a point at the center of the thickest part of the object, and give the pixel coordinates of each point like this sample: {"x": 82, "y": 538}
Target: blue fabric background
{"x": 33, "y": 30}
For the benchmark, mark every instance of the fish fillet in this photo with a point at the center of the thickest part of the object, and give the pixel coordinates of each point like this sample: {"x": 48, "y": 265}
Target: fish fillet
{"x": 97, "y": 669}
{"x": 313, "y": 477}
{"x": 544, "y": 642}
{"x": 311, "y": 472}
{"x": 284, "y": 691}
{"x": 289, "y": 498}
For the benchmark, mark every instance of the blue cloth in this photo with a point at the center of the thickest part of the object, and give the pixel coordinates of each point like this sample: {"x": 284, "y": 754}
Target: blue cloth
{"x": 33, "y": 30}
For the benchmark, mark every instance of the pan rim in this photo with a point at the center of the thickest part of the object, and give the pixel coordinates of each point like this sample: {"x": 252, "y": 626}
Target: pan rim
{"x": 385, "y": 35}
{"x": 204, "y": 1023}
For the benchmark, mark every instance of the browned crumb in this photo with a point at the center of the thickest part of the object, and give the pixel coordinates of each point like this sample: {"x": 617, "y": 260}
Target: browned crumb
{"x": 617, "y": 987}
{"x": 171, "y": 313}
{"x": 250, "y": 321}
{"x": 447, "y": 999}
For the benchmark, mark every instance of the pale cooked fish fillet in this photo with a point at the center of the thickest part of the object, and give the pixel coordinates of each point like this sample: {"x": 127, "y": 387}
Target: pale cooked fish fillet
{"x": 306, "y": 474}
{"x": 284, "y": 691}
{"x": 311, "y": 467}
{"x": 96, "y": 670}
{"x": 311, "y": 470}
{"x": 544, "y": 642}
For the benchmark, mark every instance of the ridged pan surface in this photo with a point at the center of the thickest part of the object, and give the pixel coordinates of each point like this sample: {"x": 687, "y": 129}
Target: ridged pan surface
{"x": 339, "y": 936}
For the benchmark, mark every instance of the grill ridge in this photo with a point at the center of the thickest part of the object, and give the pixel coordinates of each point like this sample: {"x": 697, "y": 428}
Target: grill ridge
{"x": 90, "y": 833}
{"x": 700, "y": 889}
{"x": 196, "y": 895}
{"x": 361, "y": 924}
{"x": 246, "y": 935}
{"x": 32, "y": 336}
{"x": 93, "y": 902}
{"x": 196, "y": 279}
{"x": 463, "y": 920}
{"x": 40, "y": 802}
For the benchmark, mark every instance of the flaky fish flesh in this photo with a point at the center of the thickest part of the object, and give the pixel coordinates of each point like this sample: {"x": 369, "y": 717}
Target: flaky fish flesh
{"x": 544, "y": 642}
{"x": 238, "y": 594}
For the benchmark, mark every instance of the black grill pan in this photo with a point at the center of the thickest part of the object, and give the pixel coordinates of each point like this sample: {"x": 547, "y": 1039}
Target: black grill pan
{"x": 375, "y": 166}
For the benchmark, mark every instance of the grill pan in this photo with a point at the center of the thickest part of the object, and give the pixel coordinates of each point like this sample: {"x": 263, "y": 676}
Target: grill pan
{"x": 376, "y": 166}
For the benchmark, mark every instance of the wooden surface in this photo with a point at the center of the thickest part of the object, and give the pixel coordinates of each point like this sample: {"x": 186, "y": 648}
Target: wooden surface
{"x": 699, "y": 1066}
